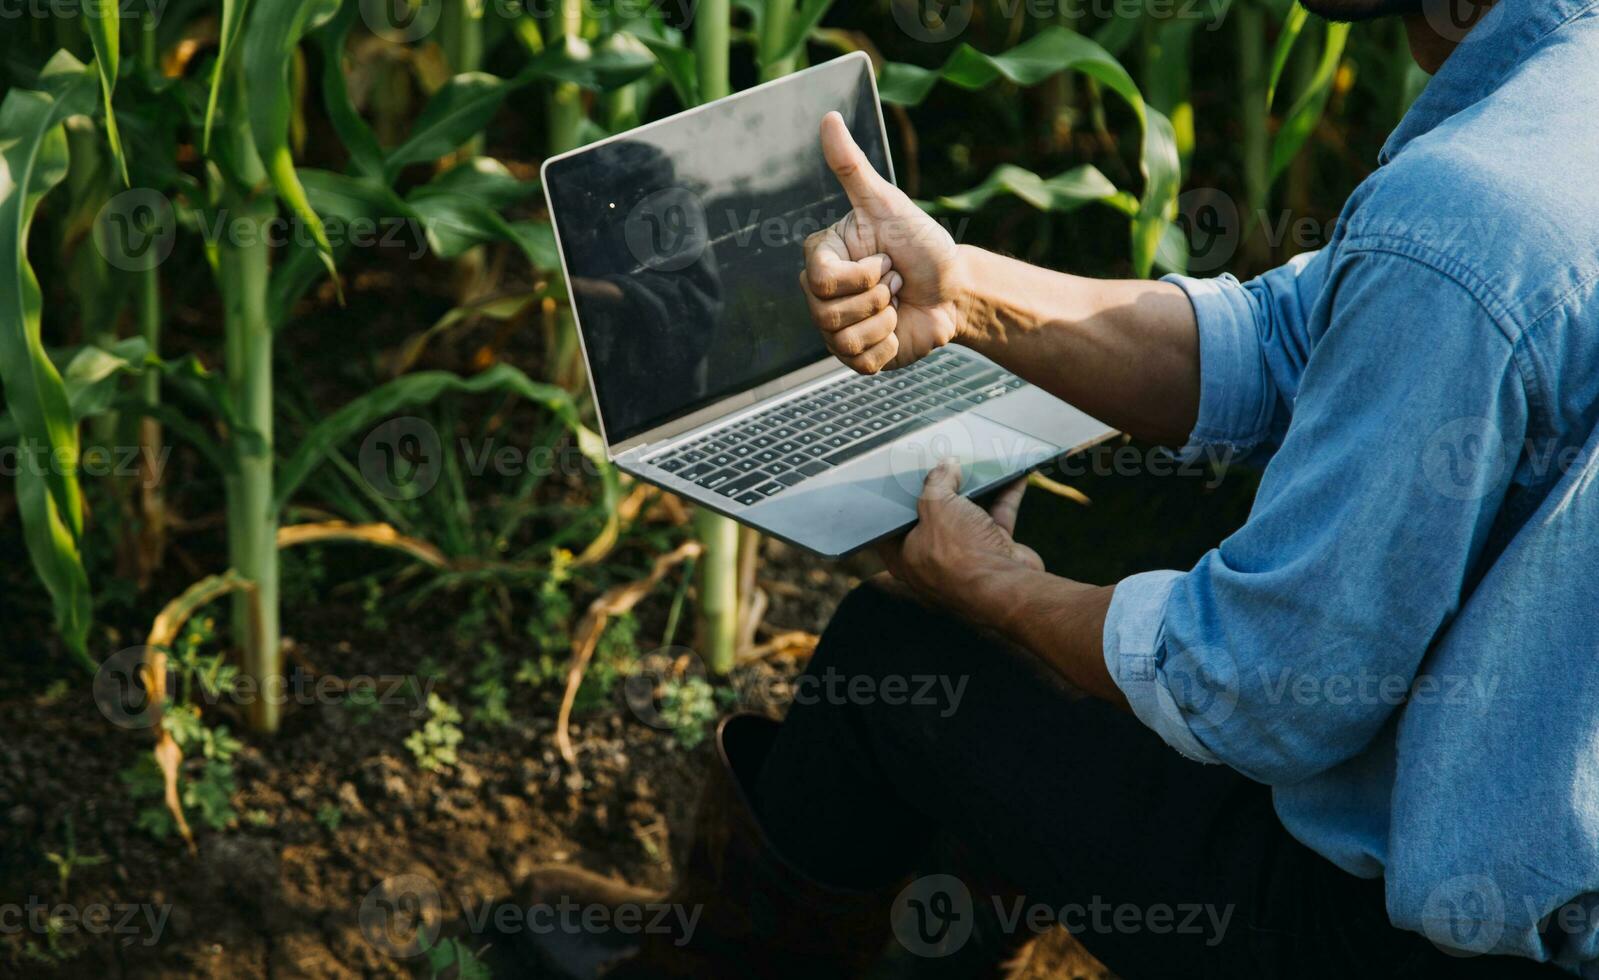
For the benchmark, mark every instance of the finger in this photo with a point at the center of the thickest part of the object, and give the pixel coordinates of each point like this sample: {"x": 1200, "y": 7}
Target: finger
{"x": 896, "y": 282}
{"x": 862, "y": 337}
{"x": 833, "y": 315}
{"x": 875, "y": 359}
{"x": 831, "y": 275}
{"x": 864, "y": 185}
{"x": 1008, "y": 504}
{"x": 943, "y": 482}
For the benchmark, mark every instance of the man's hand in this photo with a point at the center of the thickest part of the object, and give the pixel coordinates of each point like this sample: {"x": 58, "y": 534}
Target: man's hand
{"x": 883, "y": 283}
{"x": 957, "y": 545}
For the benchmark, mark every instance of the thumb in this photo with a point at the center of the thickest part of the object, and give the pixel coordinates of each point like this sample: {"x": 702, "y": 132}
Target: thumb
{"x": 943, "y": 482}
{"x": 848, "y": 162}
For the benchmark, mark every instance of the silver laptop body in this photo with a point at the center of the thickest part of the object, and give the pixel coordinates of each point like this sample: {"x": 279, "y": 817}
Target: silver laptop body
{"x": 682, "y": 245}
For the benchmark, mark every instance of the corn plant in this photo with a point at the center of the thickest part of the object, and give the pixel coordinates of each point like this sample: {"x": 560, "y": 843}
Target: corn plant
{"x": 96, "y": 107}
{"x": 249, "y": 174}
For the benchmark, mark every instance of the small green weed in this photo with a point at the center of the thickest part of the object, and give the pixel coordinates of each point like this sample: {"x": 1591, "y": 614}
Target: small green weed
{"x": 435, "y": 742}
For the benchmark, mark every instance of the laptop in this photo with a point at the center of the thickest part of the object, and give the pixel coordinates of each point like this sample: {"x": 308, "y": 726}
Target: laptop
{"x": 682, "y": 246}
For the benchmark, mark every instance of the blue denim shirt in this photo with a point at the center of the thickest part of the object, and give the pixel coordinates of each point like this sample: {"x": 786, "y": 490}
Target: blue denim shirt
{"x": 1403, "y": 640}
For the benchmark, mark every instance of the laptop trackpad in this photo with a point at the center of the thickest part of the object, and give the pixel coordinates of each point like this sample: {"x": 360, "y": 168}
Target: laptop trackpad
{"x": 988, "y": 452}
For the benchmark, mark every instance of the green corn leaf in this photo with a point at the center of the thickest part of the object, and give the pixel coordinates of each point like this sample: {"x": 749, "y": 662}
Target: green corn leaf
{"x": 459, "y": 110}
{"x": 343, "y": 199}
{"x": 103, "y": 23}
{"x": 276, "y": 28}
{"x": 537, "y": 241}
{"x": 1062, "y": 193}
{"x": 423, "y": 388}
{"x": 1310, "y": 105}
{"x": 92, "y": 374}
{"x": 34, "y": 156}
{"x": 455, "y": 224}
{"x": 484, "y": 178}
{"x": 366, "y": 156}
{"x": 1293, "y": 26}
{"x": 603, "y": 67}
{"x": 460, "y": 209}
{"x": 681, "y": 67}
{"x": 351, "y": 197}
{"x": 1048, "y": 53}
{"x": 233, "y": 13}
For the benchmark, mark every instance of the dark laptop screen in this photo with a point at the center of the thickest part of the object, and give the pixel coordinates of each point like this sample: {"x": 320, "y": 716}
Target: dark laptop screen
{"x": 684, "y": 243}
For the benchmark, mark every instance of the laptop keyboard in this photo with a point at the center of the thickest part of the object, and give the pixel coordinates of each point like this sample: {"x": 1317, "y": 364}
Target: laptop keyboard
{"x": 761, "y": 456}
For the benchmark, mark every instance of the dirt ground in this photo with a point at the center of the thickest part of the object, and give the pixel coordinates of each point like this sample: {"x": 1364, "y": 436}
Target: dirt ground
{"x": 284, "y": 893}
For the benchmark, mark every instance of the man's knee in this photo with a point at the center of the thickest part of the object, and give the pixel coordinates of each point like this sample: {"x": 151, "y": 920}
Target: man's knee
{"x": 876, "y": 628}
{"x": 884, "y": 646}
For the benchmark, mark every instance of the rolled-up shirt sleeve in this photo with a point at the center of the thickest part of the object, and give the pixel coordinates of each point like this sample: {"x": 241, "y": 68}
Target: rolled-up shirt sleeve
{"x": 1283, "y": 651}
{"x": 1253, "y": 343}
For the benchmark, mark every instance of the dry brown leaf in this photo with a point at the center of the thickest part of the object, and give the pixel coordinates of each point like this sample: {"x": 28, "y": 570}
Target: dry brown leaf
{"x": 163, "y": 633}
{"x": 614, "y": 602}
{"x": 379, "y": 535}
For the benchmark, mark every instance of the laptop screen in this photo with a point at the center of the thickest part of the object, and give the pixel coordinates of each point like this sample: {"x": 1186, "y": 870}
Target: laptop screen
{"x": 684, "y": 243}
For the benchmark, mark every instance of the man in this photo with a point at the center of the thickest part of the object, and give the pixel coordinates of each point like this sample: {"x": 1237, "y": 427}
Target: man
{"x": 1362, "y": 735}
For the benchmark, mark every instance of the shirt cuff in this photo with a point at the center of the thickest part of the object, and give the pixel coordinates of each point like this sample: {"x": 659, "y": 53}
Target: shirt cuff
{"x": 1134, "y": 629}
{"x": 1234, "y": 400}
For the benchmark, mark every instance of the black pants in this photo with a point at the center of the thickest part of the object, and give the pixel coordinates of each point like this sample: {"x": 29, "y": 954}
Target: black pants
{"x": 911, "y": 728}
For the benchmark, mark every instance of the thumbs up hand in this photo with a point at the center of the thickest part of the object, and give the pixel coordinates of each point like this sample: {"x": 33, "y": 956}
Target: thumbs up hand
{"x": 884, "y": 283}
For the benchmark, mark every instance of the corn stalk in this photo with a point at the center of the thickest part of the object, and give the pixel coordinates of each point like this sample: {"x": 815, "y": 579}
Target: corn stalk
{"x": 1254, "y": 115}
{"x": 244, "y": 269}
{"x": 566, "y": 98}
{"x": 718, "y": 566}
{"x": 462, "y": 27}
{"x": 147, "y": 307}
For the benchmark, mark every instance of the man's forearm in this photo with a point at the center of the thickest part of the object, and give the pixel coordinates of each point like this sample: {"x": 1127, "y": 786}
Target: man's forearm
{"x": 1060, "y": 621}
{"x": 1126, "y": 352}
